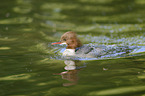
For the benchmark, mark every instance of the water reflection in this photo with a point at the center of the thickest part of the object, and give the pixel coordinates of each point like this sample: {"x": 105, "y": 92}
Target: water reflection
{"x": 72, "y": 68}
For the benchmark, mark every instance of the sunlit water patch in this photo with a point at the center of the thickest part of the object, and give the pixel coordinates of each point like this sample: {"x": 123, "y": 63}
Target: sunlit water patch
{"x": 123, "y": 40}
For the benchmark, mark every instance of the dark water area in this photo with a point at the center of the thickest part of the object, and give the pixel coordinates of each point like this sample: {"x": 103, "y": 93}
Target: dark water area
{"x": 31, "y": 66}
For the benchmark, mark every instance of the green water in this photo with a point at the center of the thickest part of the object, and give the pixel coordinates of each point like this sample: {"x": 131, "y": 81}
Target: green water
{"x": 30, "y": 66}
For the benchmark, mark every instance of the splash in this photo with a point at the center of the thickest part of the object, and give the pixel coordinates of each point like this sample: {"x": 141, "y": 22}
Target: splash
{"x": 107, "y": 52}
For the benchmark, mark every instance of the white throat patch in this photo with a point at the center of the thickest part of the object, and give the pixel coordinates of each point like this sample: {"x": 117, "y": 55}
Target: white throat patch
{"x": 69, "y": 52}
{"x": 64, "y": 43}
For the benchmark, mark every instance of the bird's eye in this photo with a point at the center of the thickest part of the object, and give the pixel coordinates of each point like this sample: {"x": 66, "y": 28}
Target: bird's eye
{"x": 64, "y": 39}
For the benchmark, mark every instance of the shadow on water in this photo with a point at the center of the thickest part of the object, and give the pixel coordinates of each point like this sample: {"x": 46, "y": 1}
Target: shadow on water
{"x": 93, "y": 17}
{"x": 27, "y": 27}
{"x": 85, "y": 12}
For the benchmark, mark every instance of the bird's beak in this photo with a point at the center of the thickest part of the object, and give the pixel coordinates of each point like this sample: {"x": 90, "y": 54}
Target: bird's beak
{"x": 55, "y": 43}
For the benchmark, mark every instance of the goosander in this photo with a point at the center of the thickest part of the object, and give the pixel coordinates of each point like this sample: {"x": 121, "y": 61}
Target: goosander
{"x": 75, "y": 47}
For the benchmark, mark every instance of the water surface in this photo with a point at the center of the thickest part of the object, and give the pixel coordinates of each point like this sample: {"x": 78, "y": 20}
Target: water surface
{"x": 30, "y": 66}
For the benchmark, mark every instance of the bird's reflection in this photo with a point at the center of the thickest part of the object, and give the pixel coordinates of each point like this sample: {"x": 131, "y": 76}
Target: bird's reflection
{"x": 71, "y": 74}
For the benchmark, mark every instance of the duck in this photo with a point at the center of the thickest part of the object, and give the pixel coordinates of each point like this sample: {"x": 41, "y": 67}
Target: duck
{"x": 75, "y": 47}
